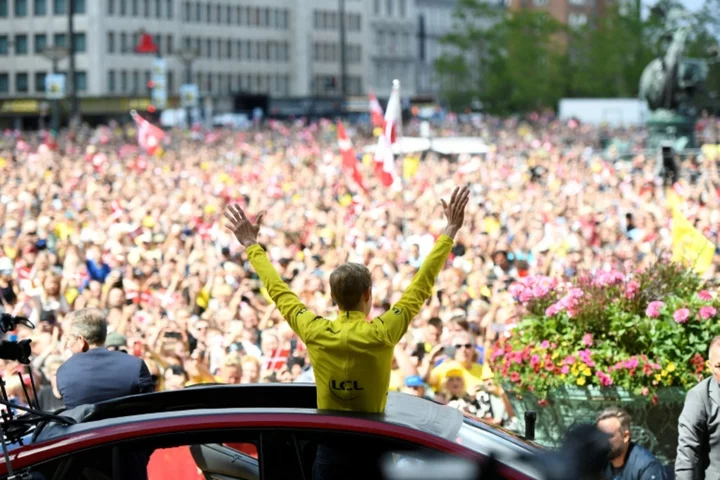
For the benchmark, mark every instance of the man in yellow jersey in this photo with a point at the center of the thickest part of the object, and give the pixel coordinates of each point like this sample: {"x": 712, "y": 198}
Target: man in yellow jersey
{"x": 351, "y": 355}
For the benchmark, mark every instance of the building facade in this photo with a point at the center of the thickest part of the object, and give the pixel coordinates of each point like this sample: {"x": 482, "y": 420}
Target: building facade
{"x": 574, "y": 13}
{"x": 434, "y": 21}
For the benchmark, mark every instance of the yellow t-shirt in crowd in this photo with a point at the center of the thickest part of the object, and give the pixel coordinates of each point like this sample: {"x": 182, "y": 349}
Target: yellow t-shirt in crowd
{"x": 351, "y": 356}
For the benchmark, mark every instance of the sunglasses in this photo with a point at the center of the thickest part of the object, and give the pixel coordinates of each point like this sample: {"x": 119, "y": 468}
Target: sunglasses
{"x": 467, "y": 345}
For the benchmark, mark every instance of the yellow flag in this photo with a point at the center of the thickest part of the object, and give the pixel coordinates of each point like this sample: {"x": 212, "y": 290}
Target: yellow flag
{"x": 410, "y": 166}
{"x": 689, "y": 246}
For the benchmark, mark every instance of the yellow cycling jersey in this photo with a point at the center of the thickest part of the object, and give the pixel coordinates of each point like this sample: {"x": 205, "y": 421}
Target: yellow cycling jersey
{"x": 351, "y": 356}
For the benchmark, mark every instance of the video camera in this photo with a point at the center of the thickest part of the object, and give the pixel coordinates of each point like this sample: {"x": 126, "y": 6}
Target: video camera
{"x": 12, "y": 349}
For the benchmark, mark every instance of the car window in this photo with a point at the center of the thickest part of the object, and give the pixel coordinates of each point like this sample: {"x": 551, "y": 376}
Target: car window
{"x": 197, "y": 456}
{"x": 377, "y": 450}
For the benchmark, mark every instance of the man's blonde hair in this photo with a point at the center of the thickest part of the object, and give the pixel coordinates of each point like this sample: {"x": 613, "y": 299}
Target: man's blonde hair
{"x": 91, "y": 324}
{"x": 348, "y": 283}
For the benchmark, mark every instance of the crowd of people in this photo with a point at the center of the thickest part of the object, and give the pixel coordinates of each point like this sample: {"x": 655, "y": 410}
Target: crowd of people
{"x": 89, "y": 220}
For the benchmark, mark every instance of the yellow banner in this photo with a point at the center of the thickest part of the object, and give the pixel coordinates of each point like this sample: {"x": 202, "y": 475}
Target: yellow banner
{"x": 689, "y": 246}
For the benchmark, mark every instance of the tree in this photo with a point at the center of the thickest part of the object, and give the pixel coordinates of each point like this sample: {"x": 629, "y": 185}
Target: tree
{"x": 511, "y": 61}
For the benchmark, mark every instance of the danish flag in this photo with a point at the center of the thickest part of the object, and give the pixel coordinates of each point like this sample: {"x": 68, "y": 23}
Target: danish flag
{"x": 349, "y": 160}
{"x": 376, "y": 112}
{"x": 149, "y": 136}
{"x": 384, "y": 157}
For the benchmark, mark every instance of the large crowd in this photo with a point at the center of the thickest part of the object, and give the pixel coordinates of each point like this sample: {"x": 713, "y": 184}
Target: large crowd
{"x": 88, "y": 220}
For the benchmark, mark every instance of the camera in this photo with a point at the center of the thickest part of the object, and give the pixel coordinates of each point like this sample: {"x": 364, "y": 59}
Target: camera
{"x": 12, "y": 349}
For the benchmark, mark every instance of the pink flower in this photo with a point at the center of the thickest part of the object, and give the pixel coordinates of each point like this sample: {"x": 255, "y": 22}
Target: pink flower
{"x": 630, "y": 363}
{"x": 515, "y": 377}
{"x": 575, "y": 293}
{"x": 516, "y": 289}
{"x": 605, "y": 379}
{"x": 544, "y": 344}
{"x": 586, "y": 357}
{"x": 565, "y": 369}
{"x": 707, "y": 312}
{"x": 704, "y": 295}
{"x": 526, "y": 295}
{"x": 631, "y": 289}
{"x": 552, "y": 310}
{"x": 540, "y": 290}
{"x": 653, "y": 309}
{"x": 569, "y": 360}
{"x": 645, "y": 391}
{"x": 587, "y": 339}
{"x": 681, "y": 315}
{"x": 535, "y": 360}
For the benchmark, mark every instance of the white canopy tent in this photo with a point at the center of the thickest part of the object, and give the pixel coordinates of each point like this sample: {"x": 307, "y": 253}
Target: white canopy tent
{"x": 444, "y": 145}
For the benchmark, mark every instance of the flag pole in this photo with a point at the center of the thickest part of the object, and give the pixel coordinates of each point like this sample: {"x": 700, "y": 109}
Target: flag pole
{"x": 396, "y": 84}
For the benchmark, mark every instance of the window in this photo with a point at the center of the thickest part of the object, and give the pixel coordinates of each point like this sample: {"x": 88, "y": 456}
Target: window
{"x": 4, "y": 83}
{"x": 111, "y": 7}
{"x": 208, "y": 48}
{"x": 158, "y": 41}
{"x": 123, "y": 81}
{"x": 186, "y": 11}
{"x": 577, "y": 2}
{"x": 198, "y": 12}
{"x": 4, "y": 45}
{"x": 228, "y": 49}
{"x": 239, "y": 49}
{"x": 40, "y": 8}
{"x": 389, "y": 7}
{"x": 123, "y": 42}
{"x": 21, "y": 8}
{"x": 21, "y": 82}
{"x": 169, "y": 8}
{"x": 60, "y": 7}
{"x": 577, "y": 20}
{"x": 134, "y": 8}
{"x": 78, "y": 6}
{"x": 158, "y": 9}
{"x": 171, "y": 82}
{"x": 402, "y": 6}
{"x": 111, "y": 81}
{"x": 79, "y": 43}
{"x": 377, "y": 7}
{"x": 80, "y": 81}
{"x": 3, "y": 8}
{"x": 40, "y": 42}
{"x": 208, "y": 13}
{"x": 111, "y": 42}
{"x": 541, "y": 3}
{"x": 123, "y": 10}
{"x": 285, "y": 19}
{"x": 40, "y": 82}
{"x": 135, "y": 81}
{"x": 240, "y": 15}
{"x": 218, "y": 14}
{"x": 21, "y": 44}
{"x": 228, "y": 15}
{"x": 169, "y": 44}
{"x": 146, "y": 8}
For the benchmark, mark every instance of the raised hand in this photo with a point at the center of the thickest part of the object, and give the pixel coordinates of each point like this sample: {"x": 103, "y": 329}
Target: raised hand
{"x": 455, "y": 210}
{"x": 244, "y": 230}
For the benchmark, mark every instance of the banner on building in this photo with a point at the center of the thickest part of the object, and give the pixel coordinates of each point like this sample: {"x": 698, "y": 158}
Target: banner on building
{"x": 55, "y": 86}
{"x": 189, "y": 95}
{"x": 159, "y": 79}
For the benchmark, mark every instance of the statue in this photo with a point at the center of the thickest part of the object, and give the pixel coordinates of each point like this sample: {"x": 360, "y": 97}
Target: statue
{"x": 670, "y": 83}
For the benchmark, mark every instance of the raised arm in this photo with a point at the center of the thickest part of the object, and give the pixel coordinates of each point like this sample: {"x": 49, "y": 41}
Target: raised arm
{"x": 398, "y": 318}
{"x": 294, "y": 311}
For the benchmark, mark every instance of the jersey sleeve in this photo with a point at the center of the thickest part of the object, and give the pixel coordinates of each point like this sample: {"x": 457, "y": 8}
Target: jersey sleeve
{"x": 292, "y": 309}
{"x": 398, "y": 318}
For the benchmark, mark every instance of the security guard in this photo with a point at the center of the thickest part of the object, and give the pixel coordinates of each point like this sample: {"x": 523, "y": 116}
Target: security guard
{"x": 351, "y": 356}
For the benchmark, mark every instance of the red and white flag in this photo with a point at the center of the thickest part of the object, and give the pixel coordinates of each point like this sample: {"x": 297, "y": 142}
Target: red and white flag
{"x": 376, "y": 112}
{"x": 149, "y": 135}
{"x": 349, "y": 160}
{"x": 384, "y": 157}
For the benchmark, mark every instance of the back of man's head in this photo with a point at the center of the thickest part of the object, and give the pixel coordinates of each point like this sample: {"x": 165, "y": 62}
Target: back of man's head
{"x": 348, "y": 284}
{"x": 91, "y": 324}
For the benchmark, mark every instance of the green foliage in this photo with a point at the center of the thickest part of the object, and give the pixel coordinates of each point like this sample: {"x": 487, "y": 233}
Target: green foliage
{"x": 524, "y": 60}
{"x": 641, "y": 333}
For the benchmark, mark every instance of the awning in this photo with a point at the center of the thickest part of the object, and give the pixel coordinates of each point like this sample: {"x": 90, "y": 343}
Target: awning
{"x": 444, "y": 146}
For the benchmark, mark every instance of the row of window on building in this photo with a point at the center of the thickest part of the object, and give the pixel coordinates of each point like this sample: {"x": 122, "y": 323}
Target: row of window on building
{"x": 197, "y": 12}
{"x": 21, "y": 83}
{"x": 20, "y": 43}
{"x": 323, "y": 85}
{"x": 141, "y": 8}
{"x": 21, "y": 8}
{"x": 135, "y": 82}
{"x": 329, "y": 20}
{"x": 330, "y": 52}
{"x": 390, "y": 9}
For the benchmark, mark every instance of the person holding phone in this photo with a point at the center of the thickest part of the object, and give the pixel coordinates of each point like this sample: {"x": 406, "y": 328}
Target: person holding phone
{"x": 351, "y": 355}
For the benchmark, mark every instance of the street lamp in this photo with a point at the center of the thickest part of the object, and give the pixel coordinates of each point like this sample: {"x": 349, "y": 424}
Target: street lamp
{"x": 188, "y": 56}
{"x": 55, "y": 53}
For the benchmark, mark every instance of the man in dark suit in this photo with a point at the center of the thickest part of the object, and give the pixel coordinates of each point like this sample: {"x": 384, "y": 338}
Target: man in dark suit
{"x": 698, "y": 452}
{"x": 94, "y": 373}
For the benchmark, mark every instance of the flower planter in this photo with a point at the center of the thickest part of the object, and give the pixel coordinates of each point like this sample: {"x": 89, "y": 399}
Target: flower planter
{"x": 653, "y": 426}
